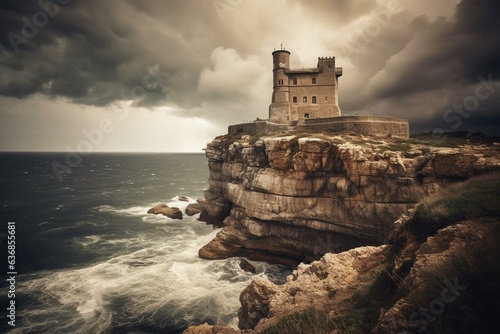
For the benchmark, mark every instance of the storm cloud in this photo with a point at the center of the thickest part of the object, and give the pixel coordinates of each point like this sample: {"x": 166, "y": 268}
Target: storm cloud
{"x": 210, "y": 60}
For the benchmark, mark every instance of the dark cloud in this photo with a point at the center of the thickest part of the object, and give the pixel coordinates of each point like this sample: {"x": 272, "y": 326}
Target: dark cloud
{"x": 415, "y": 58}
{"x": 213, "y": 62}
{"x": 336, "y": 12}
{"x": 98, "y": 52}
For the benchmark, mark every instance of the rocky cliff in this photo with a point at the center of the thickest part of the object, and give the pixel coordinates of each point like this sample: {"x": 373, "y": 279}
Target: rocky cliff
{"x": 438, "y": 273}
{"x": 292, "y": 198}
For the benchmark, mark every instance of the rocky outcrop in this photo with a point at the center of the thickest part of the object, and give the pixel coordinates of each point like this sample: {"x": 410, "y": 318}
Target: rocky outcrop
{"x": 294, "y": 198}
{"x": 164, "y": 209}
{"x": 329, "y": 283}
{"x": 434, "y": 282}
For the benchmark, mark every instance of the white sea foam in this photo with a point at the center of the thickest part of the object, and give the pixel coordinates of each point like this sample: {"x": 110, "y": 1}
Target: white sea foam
{"x": 164, "y": 279}
{"x": 88, "y": 240}
{"x": 132, "y": 211}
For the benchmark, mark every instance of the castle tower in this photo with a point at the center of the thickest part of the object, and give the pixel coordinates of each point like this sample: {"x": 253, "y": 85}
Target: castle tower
{"x": 326, "y": 65}
{"x": 279, "y": 110}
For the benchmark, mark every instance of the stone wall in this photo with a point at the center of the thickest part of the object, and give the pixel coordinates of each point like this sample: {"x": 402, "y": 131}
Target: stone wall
{"x": 365, "y": 125}
{"x": 257, "y": 127}
{"x": 361, "y": 125}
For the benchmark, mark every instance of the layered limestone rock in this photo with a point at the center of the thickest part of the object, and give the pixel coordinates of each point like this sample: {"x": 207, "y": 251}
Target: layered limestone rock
{"x": 436, "y": 281}
{"x": 294, "y": 198}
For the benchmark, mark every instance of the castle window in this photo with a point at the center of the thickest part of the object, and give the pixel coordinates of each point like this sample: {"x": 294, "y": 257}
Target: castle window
{"x": 326, "y": 98}
{"x": 306, "y": 115}
{"x": 329, "y": 66}
{"x": 295, "y": 99}
{"x": 294, "y": 81}
{"x": 304, "y": 99}
{"x": 314, "y": 100}
{"x": 280, "y": 82}
{"x": 313, "y": 81}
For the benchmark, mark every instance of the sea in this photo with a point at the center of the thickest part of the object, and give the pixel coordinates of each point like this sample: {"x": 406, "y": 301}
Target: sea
{"x": 87, "y": 258}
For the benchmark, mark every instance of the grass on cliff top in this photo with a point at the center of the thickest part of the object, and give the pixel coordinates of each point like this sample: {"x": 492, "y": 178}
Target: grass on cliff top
{"x": 475, "y": 198}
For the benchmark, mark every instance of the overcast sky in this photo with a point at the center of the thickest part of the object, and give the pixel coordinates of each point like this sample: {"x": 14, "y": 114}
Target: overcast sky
{"x": 168, "y": 76}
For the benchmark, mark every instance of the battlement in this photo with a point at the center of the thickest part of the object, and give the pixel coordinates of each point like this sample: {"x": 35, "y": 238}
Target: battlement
{"x": 326, "y": 58}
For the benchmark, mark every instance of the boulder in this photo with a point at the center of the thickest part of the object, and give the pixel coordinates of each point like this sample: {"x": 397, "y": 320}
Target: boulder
{"x": 167, "y": 211}
{"x": 247, "y": 266}
{"x": 194, "y": 208}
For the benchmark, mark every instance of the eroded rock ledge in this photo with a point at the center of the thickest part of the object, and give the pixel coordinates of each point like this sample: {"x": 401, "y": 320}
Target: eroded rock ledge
{"x": 290, "y": 199}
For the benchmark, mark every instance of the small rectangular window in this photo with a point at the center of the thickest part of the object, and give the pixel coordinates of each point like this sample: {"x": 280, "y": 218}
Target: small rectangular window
{"x": 306, "y": 115}
{"x": 314, "y": 100}
{"x": 295, "y": 99}
{"x": 294, "y": 81}
{"x": 313, "y": 81}
{"x": 326, "y": 98}
{"x": 304, "y": 99}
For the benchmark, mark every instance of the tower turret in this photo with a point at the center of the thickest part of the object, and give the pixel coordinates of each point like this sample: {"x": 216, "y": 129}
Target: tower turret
{"x": 279, "y": 110}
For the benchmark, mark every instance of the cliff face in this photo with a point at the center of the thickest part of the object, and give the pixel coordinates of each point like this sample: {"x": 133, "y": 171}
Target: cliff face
{"x": 438, "y": 274}
{"x": 294, "y": 198}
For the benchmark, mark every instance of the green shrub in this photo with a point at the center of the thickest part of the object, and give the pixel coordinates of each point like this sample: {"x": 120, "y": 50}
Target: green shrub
{"x": 477, "y": 197}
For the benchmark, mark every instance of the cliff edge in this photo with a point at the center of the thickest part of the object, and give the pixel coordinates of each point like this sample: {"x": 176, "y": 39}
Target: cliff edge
{"x": 292, "y": 198}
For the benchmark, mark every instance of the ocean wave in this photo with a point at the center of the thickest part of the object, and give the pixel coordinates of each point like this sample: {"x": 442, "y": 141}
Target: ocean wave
{"x": 131, "y": 211}
{"x": 162, "y": 285}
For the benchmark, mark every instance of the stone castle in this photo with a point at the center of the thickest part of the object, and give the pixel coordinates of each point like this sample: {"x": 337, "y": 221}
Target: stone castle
{"x": 307, "y": 100}
{"x": 303, "y": 93}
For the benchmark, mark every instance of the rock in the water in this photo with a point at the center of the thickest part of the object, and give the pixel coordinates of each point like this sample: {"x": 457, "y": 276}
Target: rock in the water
{"x": 194, "y": 208}
{"x": 183, "y": 198}
{"x": 247, "y": 266}
{"x": 165, "y": 210}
